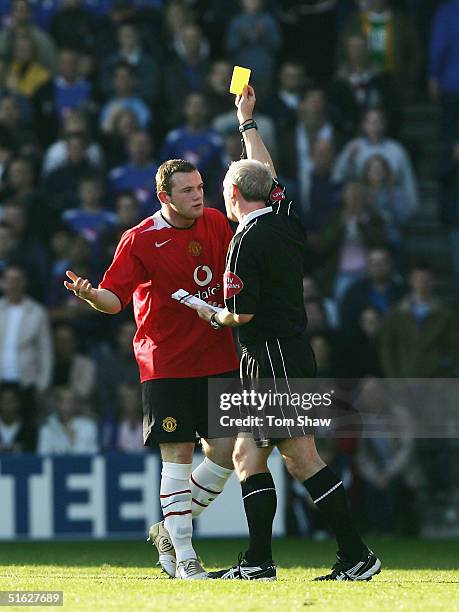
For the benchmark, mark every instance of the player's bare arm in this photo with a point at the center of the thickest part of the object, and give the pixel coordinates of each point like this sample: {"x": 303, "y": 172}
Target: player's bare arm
{"x": 254, "y": 144}
{"x": 102, "y": 300}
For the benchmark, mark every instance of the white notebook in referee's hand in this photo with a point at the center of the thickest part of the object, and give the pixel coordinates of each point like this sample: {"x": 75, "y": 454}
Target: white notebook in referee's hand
{"x": 188, "y": 299}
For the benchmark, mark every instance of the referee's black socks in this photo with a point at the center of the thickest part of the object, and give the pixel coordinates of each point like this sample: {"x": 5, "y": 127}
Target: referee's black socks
{"x": 260, "y": 503}
{"x": 328, "y": 494}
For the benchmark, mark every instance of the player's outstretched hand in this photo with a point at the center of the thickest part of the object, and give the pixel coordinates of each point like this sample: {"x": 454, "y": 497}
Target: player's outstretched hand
{"x": 81, "y": 287}
{"x": 245, "y": 103}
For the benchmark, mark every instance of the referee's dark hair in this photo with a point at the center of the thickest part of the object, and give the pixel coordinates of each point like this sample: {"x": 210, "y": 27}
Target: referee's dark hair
{"x": 167, "y": 170}
{"x": 252, "y": 178}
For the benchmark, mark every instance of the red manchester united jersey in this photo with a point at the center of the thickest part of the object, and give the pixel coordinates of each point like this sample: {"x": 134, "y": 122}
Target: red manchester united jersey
{"x": 151, "y": 262}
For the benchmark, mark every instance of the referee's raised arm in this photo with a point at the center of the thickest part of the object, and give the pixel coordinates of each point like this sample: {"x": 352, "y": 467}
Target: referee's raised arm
{"x": 254, "y": 144}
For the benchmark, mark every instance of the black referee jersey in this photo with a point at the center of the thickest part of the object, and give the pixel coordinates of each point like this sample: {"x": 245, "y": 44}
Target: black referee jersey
{"x": 264, "y": 277}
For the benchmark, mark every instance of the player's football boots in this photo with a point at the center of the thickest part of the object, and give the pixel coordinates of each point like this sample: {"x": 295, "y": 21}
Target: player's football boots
{"x": 244, "y": 571}
{"x": 367, "y": 567}
{"x": 159, "y": 537}
{"x": 190, "y": 569}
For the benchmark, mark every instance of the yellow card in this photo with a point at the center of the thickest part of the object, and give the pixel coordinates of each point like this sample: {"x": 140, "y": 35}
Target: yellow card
{"x": 239, "y": 79}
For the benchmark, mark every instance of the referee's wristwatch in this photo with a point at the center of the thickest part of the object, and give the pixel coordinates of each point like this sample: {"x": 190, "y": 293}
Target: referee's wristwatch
{"x": 214, "y": 322}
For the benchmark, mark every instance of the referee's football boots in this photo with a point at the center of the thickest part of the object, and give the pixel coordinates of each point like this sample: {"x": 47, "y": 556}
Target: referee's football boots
{"x": 159, "y": 537}
{"x": 368, "y": 566}
{"x": 244, "y": 571}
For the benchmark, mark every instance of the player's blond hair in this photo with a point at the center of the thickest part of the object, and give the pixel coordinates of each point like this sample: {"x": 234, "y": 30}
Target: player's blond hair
{"x": 167, "y": 170}
{"x": 252, "y": 177}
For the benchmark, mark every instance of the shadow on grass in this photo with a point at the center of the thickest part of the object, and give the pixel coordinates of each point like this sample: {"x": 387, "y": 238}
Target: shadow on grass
{"x": 288, "y": 552}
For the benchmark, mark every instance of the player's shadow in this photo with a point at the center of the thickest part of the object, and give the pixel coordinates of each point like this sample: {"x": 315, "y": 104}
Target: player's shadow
{"x": 79, "y": 553}
{"x": 395, "y": 554}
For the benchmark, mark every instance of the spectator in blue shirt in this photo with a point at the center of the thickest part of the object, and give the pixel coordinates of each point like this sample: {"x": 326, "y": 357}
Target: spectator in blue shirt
{"x": 380, "y": 290}
{"x": 60, "y": 243}
{"x": 444, "y": 67}
{"x": 197, "y": 143}
{"x": 124, "y": 83}
{"x": 68, "y": 91}
{"x": 91, "y": 219}
{"x": 130, "y": 50}
{"x": 187, "y": 72}
{"x": 99, "y": 8}
{"x": 444, "y": 49}
{"x": 68, "y": 309}
{"x": 324, "y": 193}
{"x": 253, "y": 38}
{"x": 138, "y": 173}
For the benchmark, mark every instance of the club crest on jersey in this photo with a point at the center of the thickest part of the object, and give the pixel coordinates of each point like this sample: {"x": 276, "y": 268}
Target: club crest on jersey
{"x": 277, "y": 194}
{"x": 232, "y": 285}
{"x": 195, "y": 248}
{"x": 169, "y": 424}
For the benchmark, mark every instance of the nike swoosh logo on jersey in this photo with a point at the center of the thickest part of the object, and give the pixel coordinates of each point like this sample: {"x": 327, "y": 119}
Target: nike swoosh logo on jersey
{"x": 160, "y": 244}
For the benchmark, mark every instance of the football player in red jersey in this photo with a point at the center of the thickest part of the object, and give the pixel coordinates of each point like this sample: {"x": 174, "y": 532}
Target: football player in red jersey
{"x": 182, "y": 246}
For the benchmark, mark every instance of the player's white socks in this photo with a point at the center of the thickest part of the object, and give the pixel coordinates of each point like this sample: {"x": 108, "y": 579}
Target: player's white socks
{"x": 207, "y": 482}
{"x": 175, "y": 497}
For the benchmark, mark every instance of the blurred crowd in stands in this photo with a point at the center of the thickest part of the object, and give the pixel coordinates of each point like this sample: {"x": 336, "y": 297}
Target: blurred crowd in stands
{"x": 94, "y": 95}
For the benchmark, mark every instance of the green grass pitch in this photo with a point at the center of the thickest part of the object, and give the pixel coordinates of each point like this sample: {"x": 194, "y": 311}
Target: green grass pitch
{"x": 417, "y": 575}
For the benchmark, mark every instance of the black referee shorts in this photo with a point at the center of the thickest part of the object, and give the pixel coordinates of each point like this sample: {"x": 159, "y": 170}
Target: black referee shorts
{"x": 176, "y": 409}
{"x": 279, "y": 358}
{"x": 276, "y": 360}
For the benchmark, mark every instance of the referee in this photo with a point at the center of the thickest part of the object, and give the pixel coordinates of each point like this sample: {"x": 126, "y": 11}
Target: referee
{"x": 263, "y": 292}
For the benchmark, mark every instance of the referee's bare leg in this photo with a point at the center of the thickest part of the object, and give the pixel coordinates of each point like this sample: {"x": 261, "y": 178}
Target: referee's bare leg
{"x": 305, "y": 465}
{"x": 354, "y": 559}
